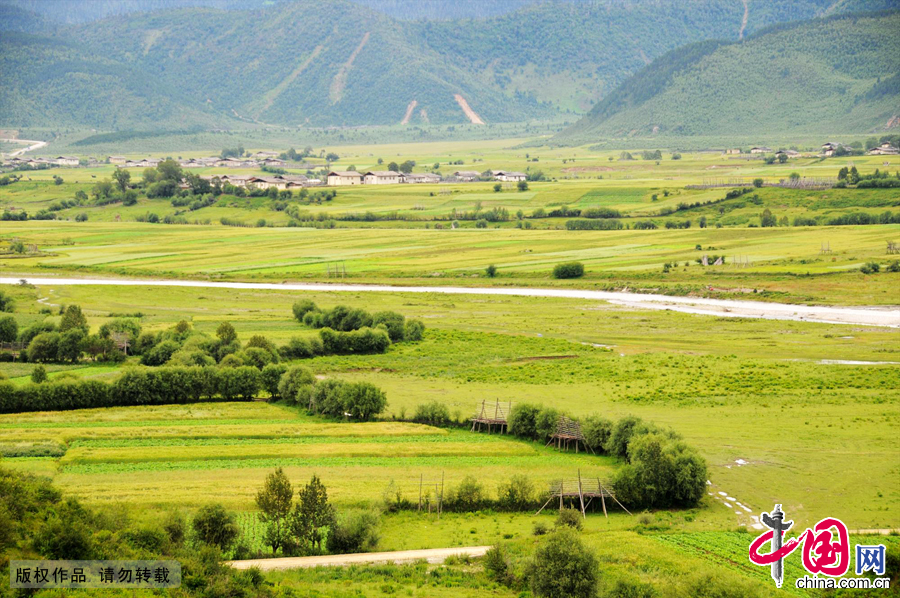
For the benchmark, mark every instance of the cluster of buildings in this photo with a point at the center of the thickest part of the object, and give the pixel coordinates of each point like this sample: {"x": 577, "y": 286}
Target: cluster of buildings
{"x": 257, "y": 160}
{"x": 390, "y": 177}
{"x": 828, "y": 149}
{"x": 65, "y": 161}
{"x": 281, "y": 182}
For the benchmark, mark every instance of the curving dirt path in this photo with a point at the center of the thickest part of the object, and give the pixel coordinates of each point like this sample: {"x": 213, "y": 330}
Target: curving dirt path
{"x": 431, "y": 555}
{"x": 859, "y": 316}
{"x": 33, "y": 145}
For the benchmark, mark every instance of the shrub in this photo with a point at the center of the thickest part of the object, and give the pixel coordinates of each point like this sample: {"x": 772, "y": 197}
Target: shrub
{"x": 570, "y": 518}
{"x": 539, "y": 529}
{"x": 596, "y": 430}
{"x": 415, "y": 330}
{"x": 362, "y": 341}
{"x": 491, "y": 271}
{"x": 568, "y": 270}
{"x": 467, "y": 497}
{"x": 295, "y": 384}
{"x": 870, "y": 268}
{"x": 545, "y": 423}
{"x": 563, "y": 566}
{"x": 517, "y": 494}
{"x": 215, "y": 526}
{"x": 256, "y": 357}
{"x": 9, "y": 329}
{"x": 521, "y": 420}
{"x": 432, "y": 413}
{"x": 302, "y": 348}
{"x": 39, "y": 374}
{"x": 160, "y": 353}
{"x": 327, "y": 398}
{"x": 240, "y": 382}
{"x": 496, "y": 565}
{"x": 70, "y": 346}
{"x": 662, "y": 472}
{"x": 355, "y": 532}
{"x": 893, "y": 266}
{"x": 620, "y": 436}
{"x": 393, "y": 322}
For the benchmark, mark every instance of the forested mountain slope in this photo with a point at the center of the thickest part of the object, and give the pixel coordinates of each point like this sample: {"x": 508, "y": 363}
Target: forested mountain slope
{"x": 832, "y": 75}
{"x": 304, "y": 62}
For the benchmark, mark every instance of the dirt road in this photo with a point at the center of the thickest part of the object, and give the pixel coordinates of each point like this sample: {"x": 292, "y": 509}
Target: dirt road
{"x": 859, "y": 316}
{"x": 432, "y": 555}
{"x": 33, "y": 145}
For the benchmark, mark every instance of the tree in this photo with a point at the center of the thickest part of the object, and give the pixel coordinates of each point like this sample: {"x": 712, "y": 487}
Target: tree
{"x": 782, "y": 158}
{"x": 274, "y": 501}
{"x": 364, "y": 400}
{"x": 71, "y": 345}
{"x": 226, "y": 333}
{"x": 43, "y": 347}
{"x": 215, "y": 526}
{"x": 498, "y": 187}
{"x": 522, "y": 185}
{"x": 122, "y": 178}
{"x": 854, "y": 175}
{"x": 169, "y": 170}
{"x": 757, "y": 183}
{"x": 407, "y": 167}
{"x": 7, "y": 303}
{"x": 9, "y": 329}
{"x": 312, "y": 514}
{"x": 491, "y": 271}
{"x": 842, "y": 173}
{"x": 795, "y": 176}
{"x": 393, "y": 167}
{"x": 564, "y": 566}
{"x": 569, "y": 270}
{"x": 39, "y": 374}
{"x": 73, "y": 318}
{"x": 295, "y": 384}
{"x": 767, "y": 219}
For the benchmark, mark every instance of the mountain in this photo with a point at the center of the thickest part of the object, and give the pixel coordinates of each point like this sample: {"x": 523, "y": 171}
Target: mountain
{"x": 833, "y": 75}
{"x": 308, "y": 63}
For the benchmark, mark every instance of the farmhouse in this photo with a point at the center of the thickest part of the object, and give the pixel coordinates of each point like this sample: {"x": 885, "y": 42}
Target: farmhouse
{"x": 344, "y": 177}
{"x": 733, "y": 151}
{"x": 761, "y": 150}
{"x": 66, "y": 161}
{"x": 509, "y": 176}
{"x": 381, "y": 177}
{"x": 467, "y": 175}
{"x": 416, "y": 177}
{"x": 268, "y": 182}
{"x": 885, "y": 149}
{"x": 788, "y": 153}
{"x": 117, "y": 159}
{"x": 274, "y": 163}
{"x": 265, "y": 155}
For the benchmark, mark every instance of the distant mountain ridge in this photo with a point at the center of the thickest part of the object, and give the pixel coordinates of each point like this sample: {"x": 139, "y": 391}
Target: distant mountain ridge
{"x": 307, "y": 63}
{"x": 831, "y": 75}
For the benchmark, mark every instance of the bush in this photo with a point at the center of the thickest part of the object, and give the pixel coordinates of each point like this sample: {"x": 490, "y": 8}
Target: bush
{"x": 870, "y": 268}
{"x": 302, "y": 348}
{"x": 240, "y": 382}
{"x": 662, "y": 472}
{"x": 491, "y": 271}
{"x": 327, "y": 398}
{"x": 521, "y": 420}
{"x": 469, "y": 496}
{"x": 517, "y": 494}
{"x": 295, "y": 384}
{"x": 563, "y": 566}
{"x": 393, "y": 322}
{"x": 617, "y": 445}
{"x": 362, "y": 341}
{"x": 270, "y": 378}
{"x": 215, "y": 526}
{"x": 415, "y": 330}
{"x": 9, "y": 329}
{"x": 496, "y": 565}
{"x": 539, "y": 529}
{"x": 596, "y": 430}
{"x": 160, "y": 353}
{"x": 569, "y": 270}
{"x": 570, "y": 518}
{"x": 356, "y": 532}
{"x": 432, "y": 413}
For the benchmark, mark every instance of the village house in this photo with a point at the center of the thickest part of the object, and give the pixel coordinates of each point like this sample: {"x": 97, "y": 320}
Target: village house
{"x": 733, "y": 151}
{"x": 509, "y": 176}
{"x": 419, "y": 177}
{"x": 788, "y": 153}
{"x": 761, "y": 150}
{"x": 274, "y": 163}
{"x": 66, "y": 161}
{"x": 381, "y": 177}
{"x": 296, "y": 180}
{"x": 118, "y": 159}
{"x": 885, "y": 149}
{"x": 265, "y": 155}
{"x": 467, "y": 176}
{"x": 344, "y": 177}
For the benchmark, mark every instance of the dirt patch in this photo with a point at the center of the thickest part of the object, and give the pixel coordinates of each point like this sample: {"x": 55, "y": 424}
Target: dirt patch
{"x": 470, "y": 114}
{"x": 409, "y": 110}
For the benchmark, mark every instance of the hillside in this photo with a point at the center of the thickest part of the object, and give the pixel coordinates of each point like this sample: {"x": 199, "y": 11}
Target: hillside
{"x": 302, "y": 63}
{"x": 833, "y": 75}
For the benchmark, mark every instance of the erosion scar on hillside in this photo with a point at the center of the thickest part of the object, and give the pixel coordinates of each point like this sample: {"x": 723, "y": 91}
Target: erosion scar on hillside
{"x": 744, "y": 20}
{"x": 470, "y": 114}
{"x": 409, "y": 111}
{"x": 278, "y": 89}
{"x": 340, "y": 80}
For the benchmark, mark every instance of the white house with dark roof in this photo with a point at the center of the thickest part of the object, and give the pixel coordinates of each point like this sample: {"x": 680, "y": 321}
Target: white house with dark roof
{"x": 381, "y": 177}
{"x": 344, "y": 177}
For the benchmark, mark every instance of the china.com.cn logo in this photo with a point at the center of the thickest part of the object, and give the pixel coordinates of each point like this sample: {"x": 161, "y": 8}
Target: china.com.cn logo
{"x": 825, "y": 549}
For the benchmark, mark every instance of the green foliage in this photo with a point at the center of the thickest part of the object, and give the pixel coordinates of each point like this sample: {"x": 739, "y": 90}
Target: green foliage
{"x": 570, "y": 518}
{"x": 312, "y": 515}
{"x": 568, "y": 270}
{"x": 496, "y": 565}
{"x": 38, "y": 374}
{"x": 564, "y": 566}
{"x": 7, "y": 303}
{"x": 662, "y": 472}
{"x": 9, "y": 329}
{"x": 433, "y": 413}
{"x": 353, "y": 532}
{"x": 215, "y": 526}
{"x": 274, "y": 501}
